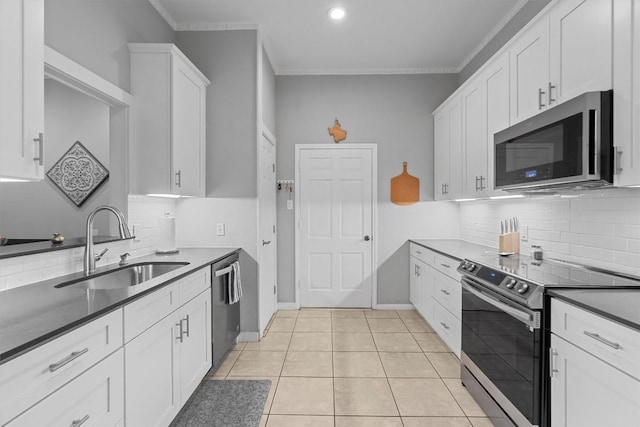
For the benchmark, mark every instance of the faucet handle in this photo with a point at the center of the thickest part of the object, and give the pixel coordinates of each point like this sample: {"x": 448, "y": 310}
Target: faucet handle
{"x": 123, "y": 258}
{"x": 99, "y": 257}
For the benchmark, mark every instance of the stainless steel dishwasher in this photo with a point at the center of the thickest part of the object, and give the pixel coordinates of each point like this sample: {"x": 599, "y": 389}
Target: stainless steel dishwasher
{"x": 225, "y": 316}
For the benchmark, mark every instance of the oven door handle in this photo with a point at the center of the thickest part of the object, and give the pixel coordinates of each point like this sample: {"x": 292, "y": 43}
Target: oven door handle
{"x": 523, "y": 316}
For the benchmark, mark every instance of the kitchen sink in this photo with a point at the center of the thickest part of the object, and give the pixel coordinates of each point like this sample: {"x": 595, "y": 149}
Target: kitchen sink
{"x": 123, "y": 277}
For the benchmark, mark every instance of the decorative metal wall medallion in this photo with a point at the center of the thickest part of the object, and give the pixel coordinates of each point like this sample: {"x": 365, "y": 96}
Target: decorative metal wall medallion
{"x": 78, "y": 174}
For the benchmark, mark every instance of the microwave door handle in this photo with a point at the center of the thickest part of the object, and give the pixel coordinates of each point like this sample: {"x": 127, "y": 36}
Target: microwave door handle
{"x": 512, "y": 311}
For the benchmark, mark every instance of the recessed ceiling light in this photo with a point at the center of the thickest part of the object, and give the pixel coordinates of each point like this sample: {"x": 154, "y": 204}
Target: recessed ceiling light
{"x": 336, "y": 13}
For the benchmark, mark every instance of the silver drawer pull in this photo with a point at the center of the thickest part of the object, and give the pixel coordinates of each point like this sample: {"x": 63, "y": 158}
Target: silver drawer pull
{"x": 418, "y": 252}
{"x": 444, "y": 325}
{"x": 445, "y": 265}
{"x": 597, "y": 337}
{"x": 78, "y": 423}
{"x": 179, "y": 337}
{"x": 186, "y": 330}
{"x": 70, "y": 358}
{"x": 446, "y": 292}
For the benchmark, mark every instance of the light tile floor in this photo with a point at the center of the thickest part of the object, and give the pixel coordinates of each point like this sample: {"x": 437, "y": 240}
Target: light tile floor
{"x": 355, "y": 368}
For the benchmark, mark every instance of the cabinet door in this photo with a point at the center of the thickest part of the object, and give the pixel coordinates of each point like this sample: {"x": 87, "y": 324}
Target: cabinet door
{"x": 474, "y": 146}
{"x": 529, "y": 56}
{"x": 626, "y": 90}
{"x": 496, "y": 101}
{"x": 454, "y": 189}
{"x": 580, "y": 48}
{"x": 188, "y": 130}
{"x": 426, "y": 289}
{"x": 152, "y": 383}
{"x": 95, "y": 398}
{"x": 22, "y": 89}
{"x": 195, "y": 349}
{"x": 441, "y": 153}
{"x": 586, "y": 391}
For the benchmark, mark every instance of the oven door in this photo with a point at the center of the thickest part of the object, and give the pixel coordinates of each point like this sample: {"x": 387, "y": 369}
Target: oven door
{"x": 501, "y": 347}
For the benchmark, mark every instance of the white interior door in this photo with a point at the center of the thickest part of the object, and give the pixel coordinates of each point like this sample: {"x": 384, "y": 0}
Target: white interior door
{"x": 335, "y": 208}
{"x": 267, "y": 229}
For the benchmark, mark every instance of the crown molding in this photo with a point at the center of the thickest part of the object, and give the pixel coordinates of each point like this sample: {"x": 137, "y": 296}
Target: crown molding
{"x": 365, "y": 71}
{"x": 228, "y": 26}
{"x": 499, "y": 26}
{"x": 163, "y": 12}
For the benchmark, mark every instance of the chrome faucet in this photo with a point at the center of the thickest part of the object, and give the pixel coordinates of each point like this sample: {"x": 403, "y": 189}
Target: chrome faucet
{"x": 90, "y": 257}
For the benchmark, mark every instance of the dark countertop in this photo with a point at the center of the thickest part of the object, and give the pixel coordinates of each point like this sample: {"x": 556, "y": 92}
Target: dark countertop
{"x": 620, "y": 305}
{"x": 458, "y": 249}
{"x": 34, "y": 314}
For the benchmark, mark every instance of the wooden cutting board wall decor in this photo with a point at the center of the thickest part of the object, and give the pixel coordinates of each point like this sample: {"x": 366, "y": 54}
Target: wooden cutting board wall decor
{"x": 405, "y": 188}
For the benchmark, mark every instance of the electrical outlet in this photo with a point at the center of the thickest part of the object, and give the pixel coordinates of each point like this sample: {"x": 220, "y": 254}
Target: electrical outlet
{"x": 524, "y": 233}
{"x": 289, "y": 205}
{"x": 220, "y": 229}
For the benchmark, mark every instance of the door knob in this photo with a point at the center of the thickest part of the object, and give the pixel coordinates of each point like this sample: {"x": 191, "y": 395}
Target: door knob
{"x": 367, "y": 238}
{"x": 266, "y": 242}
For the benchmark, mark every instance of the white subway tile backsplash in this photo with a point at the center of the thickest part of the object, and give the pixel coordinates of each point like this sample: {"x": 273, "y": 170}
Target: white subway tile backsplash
{"x": 600, "y": 228}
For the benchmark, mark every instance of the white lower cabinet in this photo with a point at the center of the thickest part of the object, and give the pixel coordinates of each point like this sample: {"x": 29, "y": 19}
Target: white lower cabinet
{"x": 594, "y": 369}
{"x": 166, "y": 362}
{"x": 95, "y": 398}
{"x": 435, "y": 291}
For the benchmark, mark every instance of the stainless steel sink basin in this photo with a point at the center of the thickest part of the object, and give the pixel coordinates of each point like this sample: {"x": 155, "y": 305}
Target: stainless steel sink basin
{"x": 129, "y": 275}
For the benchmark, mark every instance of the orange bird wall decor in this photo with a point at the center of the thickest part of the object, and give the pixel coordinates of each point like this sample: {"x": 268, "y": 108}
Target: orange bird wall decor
{"x": 337, "y": 132}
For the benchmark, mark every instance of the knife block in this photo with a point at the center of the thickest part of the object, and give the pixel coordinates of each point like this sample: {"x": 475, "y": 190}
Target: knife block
{"x": 509, "y": 242}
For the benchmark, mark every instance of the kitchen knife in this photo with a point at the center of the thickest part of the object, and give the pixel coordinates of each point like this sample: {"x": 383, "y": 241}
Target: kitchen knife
{"x": 501, "y": 227}
{"x": 516, "y": 227}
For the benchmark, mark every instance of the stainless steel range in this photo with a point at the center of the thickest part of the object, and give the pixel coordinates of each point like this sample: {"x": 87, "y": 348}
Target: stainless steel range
{"x": 505, "y": 331}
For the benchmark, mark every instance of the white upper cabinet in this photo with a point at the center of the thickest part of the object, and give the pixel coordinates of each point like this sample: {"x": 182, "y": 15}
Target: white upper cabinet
{"x": 626, "y": 91}
{"x": 530, "y": 71}
{"x": 580, "y": 49}
{"x": 448, "y": 150}
{"x": 495, "y": 110}
{"x": 22, "y": 89}
{"x": 168, "y": 152}
{"x": 474, "y": 145}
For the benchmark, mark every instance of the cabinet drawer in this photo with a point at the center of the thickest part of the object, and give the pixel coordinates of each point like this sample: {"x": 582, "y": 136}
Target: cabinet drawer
{"x": 448, "y": 292}
{"x": 193, "y": 285}
{"x": 447, "y": 326}
{"x": 97, "y": 397}
{"x": 34, "y": 375}
{"x": 447, "y": 265}
{"x": 612, "y": 342}
{"x": 144, "y": 312}
{"x": 421, "y": 253}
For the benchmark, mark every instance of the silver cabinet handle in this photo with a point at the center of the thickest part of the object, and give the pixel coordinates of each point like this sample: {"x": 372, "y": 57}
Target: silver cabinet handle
{"x": 553, "y": 358}
{"x": 186, "y": 330}
{"x": 444, "y": 325}
{"x": 266, "y": 242}
{"x": 78, "y": 423}
{"x": 477, "y": 179}
{"x": 540, "y": 104}
{"x": 418, "y": 252}
{"x": 551, "y": 99}
{"x": 482, "y": 186}
{"x": 616, "y": 161}
{"x": 70, "y": 358}
{"x": 179, "y": 337}
{"x": 179, "y": 179}
{"x": 418, "y": 270}
{"x": 597, "y": 337}
{"x": 446, "y": 292}
{"x": 445, "y": 265}
{"x": 40, "y": 141}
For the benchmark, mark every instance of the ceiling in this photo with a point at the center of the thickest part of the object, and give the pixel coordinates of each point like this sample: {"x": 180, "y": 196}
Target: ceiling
{"x": 375, "y": 37}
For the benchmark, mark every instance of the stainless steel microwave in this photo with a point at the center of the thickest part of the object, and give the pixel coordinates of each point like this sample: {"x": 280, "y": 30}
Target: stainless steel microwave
{"x": 567, "y": 146}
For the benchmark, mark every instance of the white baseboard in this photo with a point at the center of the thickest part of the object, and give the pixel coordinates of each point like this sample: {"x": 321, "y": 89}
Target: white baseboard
{"x": 394, "y": 307}
{"x": 287, "y": 306}
{"x": 248, "y": 336}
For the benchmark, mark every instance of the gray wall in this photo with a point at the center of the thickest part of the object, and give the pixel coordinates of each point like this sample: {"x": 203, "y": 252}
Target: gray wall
{"x": 39, "y": 209}
{"x": 229, "y": 60}
{"x": 393, "y": 111}
{"x": 268, "y": 94}
{"x": 516, "y": 23}
{"x": 95, "y": 33}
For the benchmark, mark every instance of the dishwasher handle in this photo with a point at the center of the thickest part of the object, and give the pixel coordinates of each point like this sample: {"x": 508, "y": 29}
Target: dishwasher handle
{"x": 222, "y": 271}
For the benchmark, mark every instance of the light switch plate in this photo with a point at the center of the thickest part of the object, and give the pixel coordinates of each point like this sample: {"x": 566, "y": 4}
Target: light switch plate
{"x": 220, "y": 229}
{"x": 524, "y": 233}
{"x": 289, "y": 205}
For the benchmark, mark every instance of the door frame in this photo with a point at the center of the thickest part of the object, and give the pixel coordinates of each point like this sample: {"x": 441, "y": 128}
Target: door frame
{"x": 373, "y": 148}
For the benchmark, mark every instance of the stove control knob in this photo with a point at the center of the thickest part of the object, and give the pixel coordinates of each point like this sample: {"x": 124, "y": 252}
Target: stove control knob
{"x": 471, "y": 266}
{"x": 511, "y": 282}
{"x": 522, "y": 288}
